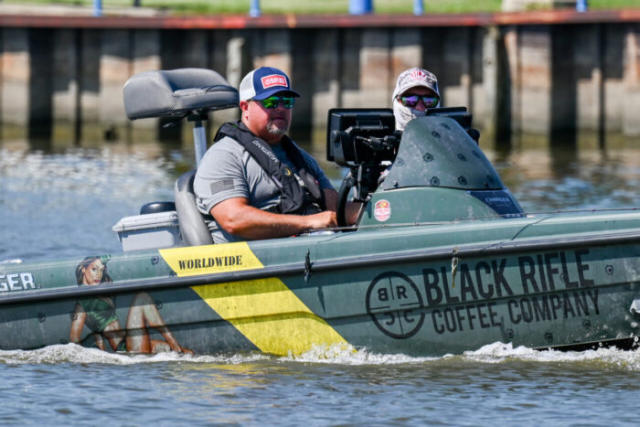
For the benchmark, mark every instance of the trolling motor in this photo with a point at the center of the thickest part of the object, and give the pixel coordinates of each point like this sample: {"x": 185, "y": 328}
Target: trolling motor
{"x": 365, "y": 141}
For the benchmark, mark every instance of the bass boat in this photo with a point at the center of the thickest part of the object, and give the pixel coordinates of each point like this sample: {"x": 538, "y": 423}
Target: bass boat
{"x": 442, "y": 259}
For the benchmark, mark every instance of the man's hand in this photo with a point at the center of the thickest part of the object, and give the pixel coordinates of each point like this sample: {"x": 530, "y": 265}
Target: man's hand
{"x": 324, "y": 219}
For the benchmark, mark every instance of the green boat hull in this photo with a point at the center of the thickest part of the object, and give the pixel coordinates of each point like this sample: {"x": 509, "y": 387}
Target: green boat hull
{"x": 428, "y": 290}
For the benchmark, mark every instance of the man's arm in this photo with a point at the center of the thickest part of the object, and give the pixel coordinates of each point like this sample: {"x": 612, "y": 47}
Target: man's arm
{"x": 241, "y": 219}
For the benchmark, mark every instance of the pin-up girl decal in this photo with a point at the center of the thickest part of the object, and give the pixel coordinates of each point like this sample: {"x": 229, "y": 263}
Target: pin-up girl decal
{"x": 99, "y": 315}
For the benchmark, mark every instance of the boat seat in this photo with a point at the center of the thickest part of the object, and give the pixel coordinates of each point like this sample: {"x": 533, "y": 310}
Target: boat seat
{"x": 177, "y": 93}
{"x": 193, "y": 225}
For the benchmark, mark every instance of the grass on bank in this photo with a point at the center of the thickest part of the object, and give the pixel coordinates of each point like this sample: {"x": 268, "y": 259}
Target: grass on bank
{"x": 312, "y": 6}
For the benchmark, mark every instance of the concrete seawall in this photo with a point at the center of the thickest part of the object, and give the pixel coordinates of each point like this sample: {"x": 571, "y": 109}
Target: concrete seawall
{"x": 561, "y": 76}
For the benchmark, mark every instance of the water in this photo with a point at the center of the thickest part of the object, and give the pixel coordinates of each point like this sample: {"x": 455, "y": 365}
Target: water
{"x": 496, "y": 384}
{"x": 64, "y": 204}
{"x": 56, "y": 205}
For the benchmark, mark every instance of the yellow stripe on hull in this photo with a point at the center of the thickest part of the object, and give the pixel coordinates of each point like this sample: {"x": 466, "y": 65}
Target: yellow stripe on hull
{"x": 265, "y": 311}
{"x": 270, "y": 315}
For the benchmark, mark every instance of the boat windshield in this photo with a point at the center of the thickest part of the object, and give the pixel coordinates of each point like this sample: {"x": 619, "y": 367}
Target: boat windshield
{"x": 437, "y": 152}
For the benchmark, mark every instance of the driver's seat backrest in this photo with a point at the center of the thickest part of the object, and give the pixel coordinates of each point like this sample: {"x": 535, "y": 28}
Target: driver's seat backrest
{"x": 193, "y": 227}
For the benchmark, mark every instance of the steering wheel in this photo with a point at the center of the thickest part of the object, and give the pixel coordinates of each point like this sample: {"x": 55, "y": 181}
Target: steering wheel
{"x": 341, "y": 210}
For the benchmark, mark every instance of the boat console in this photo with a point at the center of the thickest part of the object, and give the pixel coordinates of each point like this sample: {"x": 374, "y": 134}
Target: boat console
{"x": 433, "y": 171}
{"x": 365, "y": 141}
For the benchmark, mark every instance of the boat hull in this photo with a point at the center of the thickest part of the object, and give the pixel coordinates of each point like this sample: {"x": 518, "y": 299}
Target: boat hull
{"x": 418, "y": 290}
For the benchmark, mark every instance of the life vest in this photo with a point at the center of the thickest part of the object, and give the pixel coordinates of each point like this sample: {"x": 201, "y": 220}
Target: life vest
{"x": 294, "y": 198}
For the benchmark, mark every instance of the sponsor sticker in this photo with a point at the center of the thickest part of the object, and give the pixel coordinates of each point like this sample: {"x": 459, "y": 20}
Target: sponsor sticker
{"x": 382, "y": 210}
{"x": 394, "y": 303}
{"x": 273, "y": 80}
{"x": 193, "y": 260}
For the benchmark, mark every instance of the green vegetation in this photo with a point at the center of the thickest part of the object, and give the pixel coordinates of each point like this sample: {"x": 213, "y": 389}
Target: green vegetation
{"x": 312, "y": 6}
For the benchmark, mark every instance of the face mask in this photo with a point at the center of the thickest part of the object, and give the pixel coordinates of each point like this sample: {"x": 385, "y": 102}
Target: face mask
{"x": 404, "y": 115}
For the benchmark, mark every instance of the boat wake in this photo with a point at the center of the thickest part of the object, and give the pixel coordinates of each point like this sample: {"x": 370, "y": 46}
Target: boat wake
{"x": 496, "y": 353}
{"x": 491, "y": 354}
{"x": 500, "y": 353}
{"x": 348, "y": 355}
{"x": 73, "y": 353}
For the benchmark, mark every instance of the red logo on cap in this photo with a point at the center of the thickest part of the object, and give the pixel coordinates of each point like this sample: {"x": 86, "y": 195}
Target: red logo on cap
{"x": 273, "y": 80}
{"x": 418, "y": 75}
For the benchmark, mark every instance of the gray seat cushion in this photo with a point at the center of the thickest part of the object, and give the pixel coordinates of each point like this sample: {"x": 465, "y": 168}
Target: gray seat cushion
{"x": 175, "y": 93}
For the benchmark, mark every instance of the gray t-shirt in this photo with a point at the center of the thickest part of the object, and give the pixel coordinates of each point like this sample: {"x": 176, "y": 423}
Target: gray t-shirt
{"x": 227, "y": 170}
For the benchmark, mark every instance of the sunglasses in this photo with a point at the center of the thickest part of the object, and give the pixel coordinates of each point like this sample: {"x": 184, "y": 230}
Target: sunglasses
{"x": 412, "y": 101}
{"x": 273, "y": 102}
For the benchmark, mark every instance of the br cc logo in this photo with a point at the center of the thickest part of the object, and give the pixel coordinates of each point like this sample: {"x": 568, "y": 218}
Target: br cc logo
{"x": 395, "y": 305}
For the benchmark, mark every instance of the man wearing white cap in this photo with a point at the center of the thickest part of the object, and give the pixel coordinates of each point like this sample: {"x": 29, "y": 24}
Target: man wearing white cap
{"x": 416, "y": 90}
{"x": 255, "y": 181}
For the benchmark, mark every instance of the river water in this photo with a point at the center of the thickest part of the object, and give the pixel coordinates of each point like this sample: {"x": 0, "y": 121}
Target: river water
{"x": 63, "y": 204}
